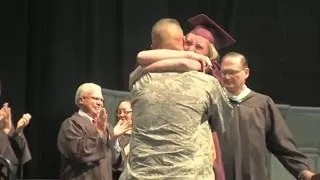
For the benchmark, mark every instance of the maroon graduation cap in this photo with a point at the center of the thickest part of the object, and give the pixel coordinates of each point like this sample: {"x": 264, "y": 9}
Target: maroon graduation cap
{"x": 203, "y": 26}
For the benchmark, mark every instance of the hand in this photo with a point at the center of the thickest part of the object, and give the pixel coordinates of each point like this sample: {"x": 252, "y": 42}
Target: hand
{"x": 209, "y": 70}
{"x": 121, "y": 127}
{"x": 5, "y": 116}
{"x": 204, "y": 60}
{"x": 102, "y": 120}
{"x": 2, "y": 115}
{"x": 205, "y": 63}
{"x": 22, "y": 123}
{"x": 307, "y": 175}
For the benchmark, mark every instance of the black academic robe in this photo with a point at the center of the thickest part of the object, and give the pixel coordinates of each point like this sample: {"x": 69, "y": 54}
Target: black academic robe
{"x": 124, "y": 140}
{"x": 258, "y": 128}
{"x": 14, "y": 148}
{"x": 84, "y": 153}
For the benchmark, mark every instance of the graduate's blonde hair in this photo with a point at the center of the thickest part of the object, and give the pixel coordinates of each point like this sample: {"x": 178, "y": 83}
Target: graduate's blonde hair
{"x": 213, "y": 53}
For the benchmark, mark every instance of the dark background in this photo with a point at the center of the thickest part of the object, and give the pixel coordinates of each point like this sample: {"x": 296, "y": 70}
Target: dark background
{"x": 49, "y": 47}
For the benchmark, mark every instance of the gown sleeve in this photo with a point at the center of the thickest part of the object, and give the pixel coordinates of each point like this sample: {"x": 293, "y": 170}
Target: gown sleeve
{"x": 280, "y": 142}
{"x": 77, "y": 144}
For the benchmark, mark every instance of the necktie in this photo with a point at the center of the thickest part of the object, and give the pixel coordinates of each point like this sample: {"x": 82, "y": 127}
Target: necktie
{"x": 94, "y": 122}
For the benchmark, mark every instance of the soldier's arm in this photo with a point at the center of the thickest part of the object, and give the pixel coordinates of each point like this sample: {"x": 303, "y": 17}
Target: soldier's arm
{"x": 151, "y": 56}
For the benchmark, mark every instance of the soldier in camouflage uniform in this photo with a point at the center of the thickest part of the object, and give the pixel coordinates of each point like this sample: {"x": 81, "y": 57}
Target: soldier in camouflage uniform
{"x": 171, "y": 137}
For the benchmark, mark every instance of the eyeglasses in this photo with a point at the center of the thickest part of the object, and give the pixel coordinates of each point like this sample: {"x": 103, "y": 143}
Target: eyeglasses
{"x": 124, "y": 111}
{"x": 231, "y": 73}
{"x": 94, "y": 98}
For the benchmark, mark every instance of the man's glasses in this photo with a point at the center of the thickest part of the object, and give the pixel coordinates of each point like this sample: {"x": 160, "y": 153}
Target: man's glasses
{"x": 94, "y": 98}
{"x": 231, "y": 73}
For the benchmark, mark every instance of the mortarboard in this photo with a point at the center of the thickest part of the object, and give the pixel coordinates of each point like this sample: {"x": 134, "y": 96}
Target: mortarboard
{"x": 203, "y": 26}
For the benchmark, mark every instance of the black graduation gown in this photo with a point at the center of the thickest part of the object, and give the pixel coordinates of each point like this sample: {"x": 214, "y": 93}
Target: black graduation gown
{"x": 123, "y": 142}
{"x": 119, "y": 166}
{"x": 258, "y": 128}
{"x": 84, "y": 154}
{"x": 14, "y": 148}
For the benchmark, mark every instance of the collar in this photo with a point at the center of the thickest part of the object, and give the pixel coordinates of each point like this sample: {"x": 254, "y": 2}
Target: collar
{"x": 239, "y": 98}
{"x": 83, "y": 114}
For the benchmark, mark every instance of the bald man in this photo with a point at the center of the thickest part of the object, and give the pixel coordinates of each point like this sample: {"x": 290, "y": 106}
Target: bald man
{"x": 171, "y": 137}
{"x": 257, "y": 128}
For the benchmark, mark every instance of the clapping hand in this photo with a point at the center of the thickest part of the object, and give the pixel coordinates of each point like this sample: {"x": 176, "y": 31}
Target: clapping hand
{"x": 5, "y": 117}
{"x": 121, "y": 128}
{"x": 102, "y": 120}
{"x": 22, "y": 123}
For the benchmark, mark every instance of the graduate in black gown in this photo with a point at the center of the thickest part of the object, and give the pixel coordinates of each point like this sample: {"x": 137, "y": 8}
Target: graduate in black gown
{"x": 257, "y": 128}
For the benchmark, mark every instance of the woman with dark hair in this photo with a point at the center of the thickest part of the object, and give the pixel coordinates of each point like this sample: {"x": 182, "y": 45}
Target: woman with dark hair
{"x": 124, "y": 121}
{"x": 124, "y": 117}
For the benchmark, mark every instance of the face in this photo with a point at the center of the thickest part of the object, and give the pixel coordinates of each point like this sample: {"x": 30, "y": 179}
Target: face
{"x": 92, "y": 102}
{"x": 196, "y": 44}
{"x": 234, "y": 74}
{"x": 124, "y": 111}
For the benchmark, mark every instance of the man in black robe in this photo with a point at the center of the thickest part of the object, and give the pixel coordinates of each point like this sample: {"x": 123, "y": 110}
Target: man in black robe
{"x": 83, "y": 138}
{"x": 257, "y": 127}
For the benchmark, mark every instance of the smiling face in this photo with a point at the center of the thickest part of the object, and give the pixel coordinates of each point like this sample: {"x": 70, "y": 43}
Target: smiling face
{"x": 234, "y": 73}
{"x": 124, "y": 112}
{"x": 89, "y": 99}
